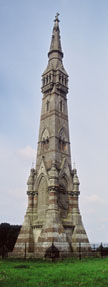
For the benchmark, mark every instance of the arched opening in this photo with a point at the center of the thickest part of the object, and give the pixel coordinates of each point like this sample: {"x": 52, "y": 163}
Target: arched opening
{"x": 47, "y": 106}
{"x": 60, "y": 78}
{"x": 46, "y": 79}
{"x": 49, "y": 78}
{"x": 43, "y": 81}
{"x": 45, "y": 140}
{"x": 61, "y": 106}
{"x": 62, "y": 145}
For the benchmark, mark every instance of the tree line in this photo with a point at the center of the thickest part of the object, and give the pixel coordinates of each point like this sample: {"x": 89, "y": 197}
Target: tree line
{"x": 8, "y": 237}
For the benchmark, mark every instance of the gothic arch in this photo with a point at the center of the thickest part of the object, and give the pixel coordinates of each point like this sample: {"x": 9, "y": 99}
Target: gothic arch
{"x": 64, "y": 181}
{"x": 62, "y": 133}
{"x": 39, "y": 179}
{"x": 42, "y": 196}
{"x": 62, "y": 144}
{"x": 63, "y": 196}
{"x": 45, "y": 134}
{"x": 45, "y": 140}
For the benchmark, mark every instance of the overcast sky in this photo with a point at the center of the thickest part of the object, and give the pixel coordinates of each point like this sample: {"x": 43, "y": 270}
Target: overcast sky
{"x": 25, "y": 34}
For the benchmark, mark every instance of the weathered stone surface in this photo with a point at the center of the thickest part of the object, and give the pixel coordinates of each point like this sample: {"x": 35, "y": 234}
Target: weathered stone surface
{"x": 53, "y": 217}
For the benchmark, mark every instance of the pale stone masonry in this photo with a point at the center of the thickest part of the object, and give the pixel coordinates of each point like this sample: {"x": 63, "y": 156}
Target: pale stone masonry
{"x": 53, "y": 217}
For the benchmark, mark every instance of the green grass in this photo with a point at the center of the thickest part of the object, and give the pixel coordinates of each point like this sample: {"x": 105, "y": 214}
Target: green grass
{"x": 87, "y": 272}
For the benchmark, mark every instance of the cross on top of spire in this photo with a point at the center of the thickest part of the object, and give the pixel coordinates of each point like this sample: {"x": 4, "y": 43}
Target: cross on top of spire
{"x": 56, "y": 17}
{"x": 55, "y": 41}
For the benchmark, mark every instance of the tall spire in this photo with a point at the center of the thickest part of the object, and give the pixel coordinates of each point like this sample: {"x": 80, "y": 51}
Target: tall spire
{"x": 55, "y": 41}
{"x": 53, "y": 216}
{"x": 55, "y": 56}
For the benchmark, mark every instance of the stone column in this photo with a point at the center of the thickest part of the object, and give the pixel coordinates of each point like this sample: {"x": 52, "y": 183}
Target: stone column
{"x": 30, "y": 202}
{"x": 57, "y": 80}
{"x": 35, "y": 200}
{"x": 53, "y": 210}
{"x": 52, "y": 198}
{"x": 75, "y": 195}
{"x": 79, "y": 235}
{"x": 25, "y": 239}
{"x": 70, "y": 207}
{"x": 35, "y": 204}
{"x": 51, "y": 77}
{"x": 30, "y": 191}
{"x": 53, "y": 189}
{"x": 75, "y": 204}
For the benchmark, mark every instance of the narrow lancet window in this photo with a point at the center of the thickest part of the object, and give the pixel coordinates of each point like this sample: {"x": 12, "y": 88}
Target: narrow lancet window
{"x": 49, "y": 77}
{"x": 47, "y": 106}
{"x": 45, "y": 140}
{"x": 62, "y": 141}
{"x": 61, "y": 106}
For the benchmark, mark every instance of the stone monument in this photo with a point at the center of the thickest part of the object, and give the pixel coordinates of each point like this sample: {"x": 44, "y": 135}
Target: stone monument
{"x": 52, "y": 220}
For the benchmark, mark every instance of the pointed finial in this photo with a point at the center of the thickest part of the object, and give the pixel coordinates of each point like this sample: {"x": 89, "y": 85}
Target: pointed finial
{"x": 56, "y": 17}
{"x": 55, "y": 41}
{"x": 74, "y": 169}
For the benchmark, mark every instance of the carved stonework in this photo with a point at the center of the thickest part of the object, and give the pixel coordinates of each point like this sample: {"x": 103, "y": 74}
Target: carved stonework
{"x": 53, "y": 222}
{"x": 63, "y": 202}
{"x": 42, "y": 198}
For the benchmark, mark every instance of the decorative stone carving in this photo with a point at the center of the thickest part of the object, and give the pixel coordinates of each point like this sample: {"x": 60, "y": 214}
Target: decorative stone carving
{"x": 53, "y": 220}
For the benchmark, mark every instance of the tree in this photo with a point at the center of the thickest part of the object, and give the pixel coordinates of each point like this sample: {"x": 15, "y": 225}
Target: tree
{"x": 8, "y": 237}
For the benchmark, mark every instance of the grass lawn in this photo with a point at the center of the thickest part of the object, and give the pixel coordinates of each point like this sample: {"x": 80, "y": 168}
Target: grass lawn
{"x": 87, "y": 272}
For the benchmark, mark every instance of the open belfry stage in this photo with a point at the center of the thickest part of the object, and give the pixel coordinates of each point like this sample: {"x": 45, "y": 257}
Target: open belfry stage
{"x": 53, "y": 223}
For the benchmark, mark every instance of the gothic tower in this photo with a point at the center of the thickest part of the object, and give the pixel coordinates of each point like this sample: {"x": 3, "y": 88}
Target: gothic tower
{"x": 53, "y": 217}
